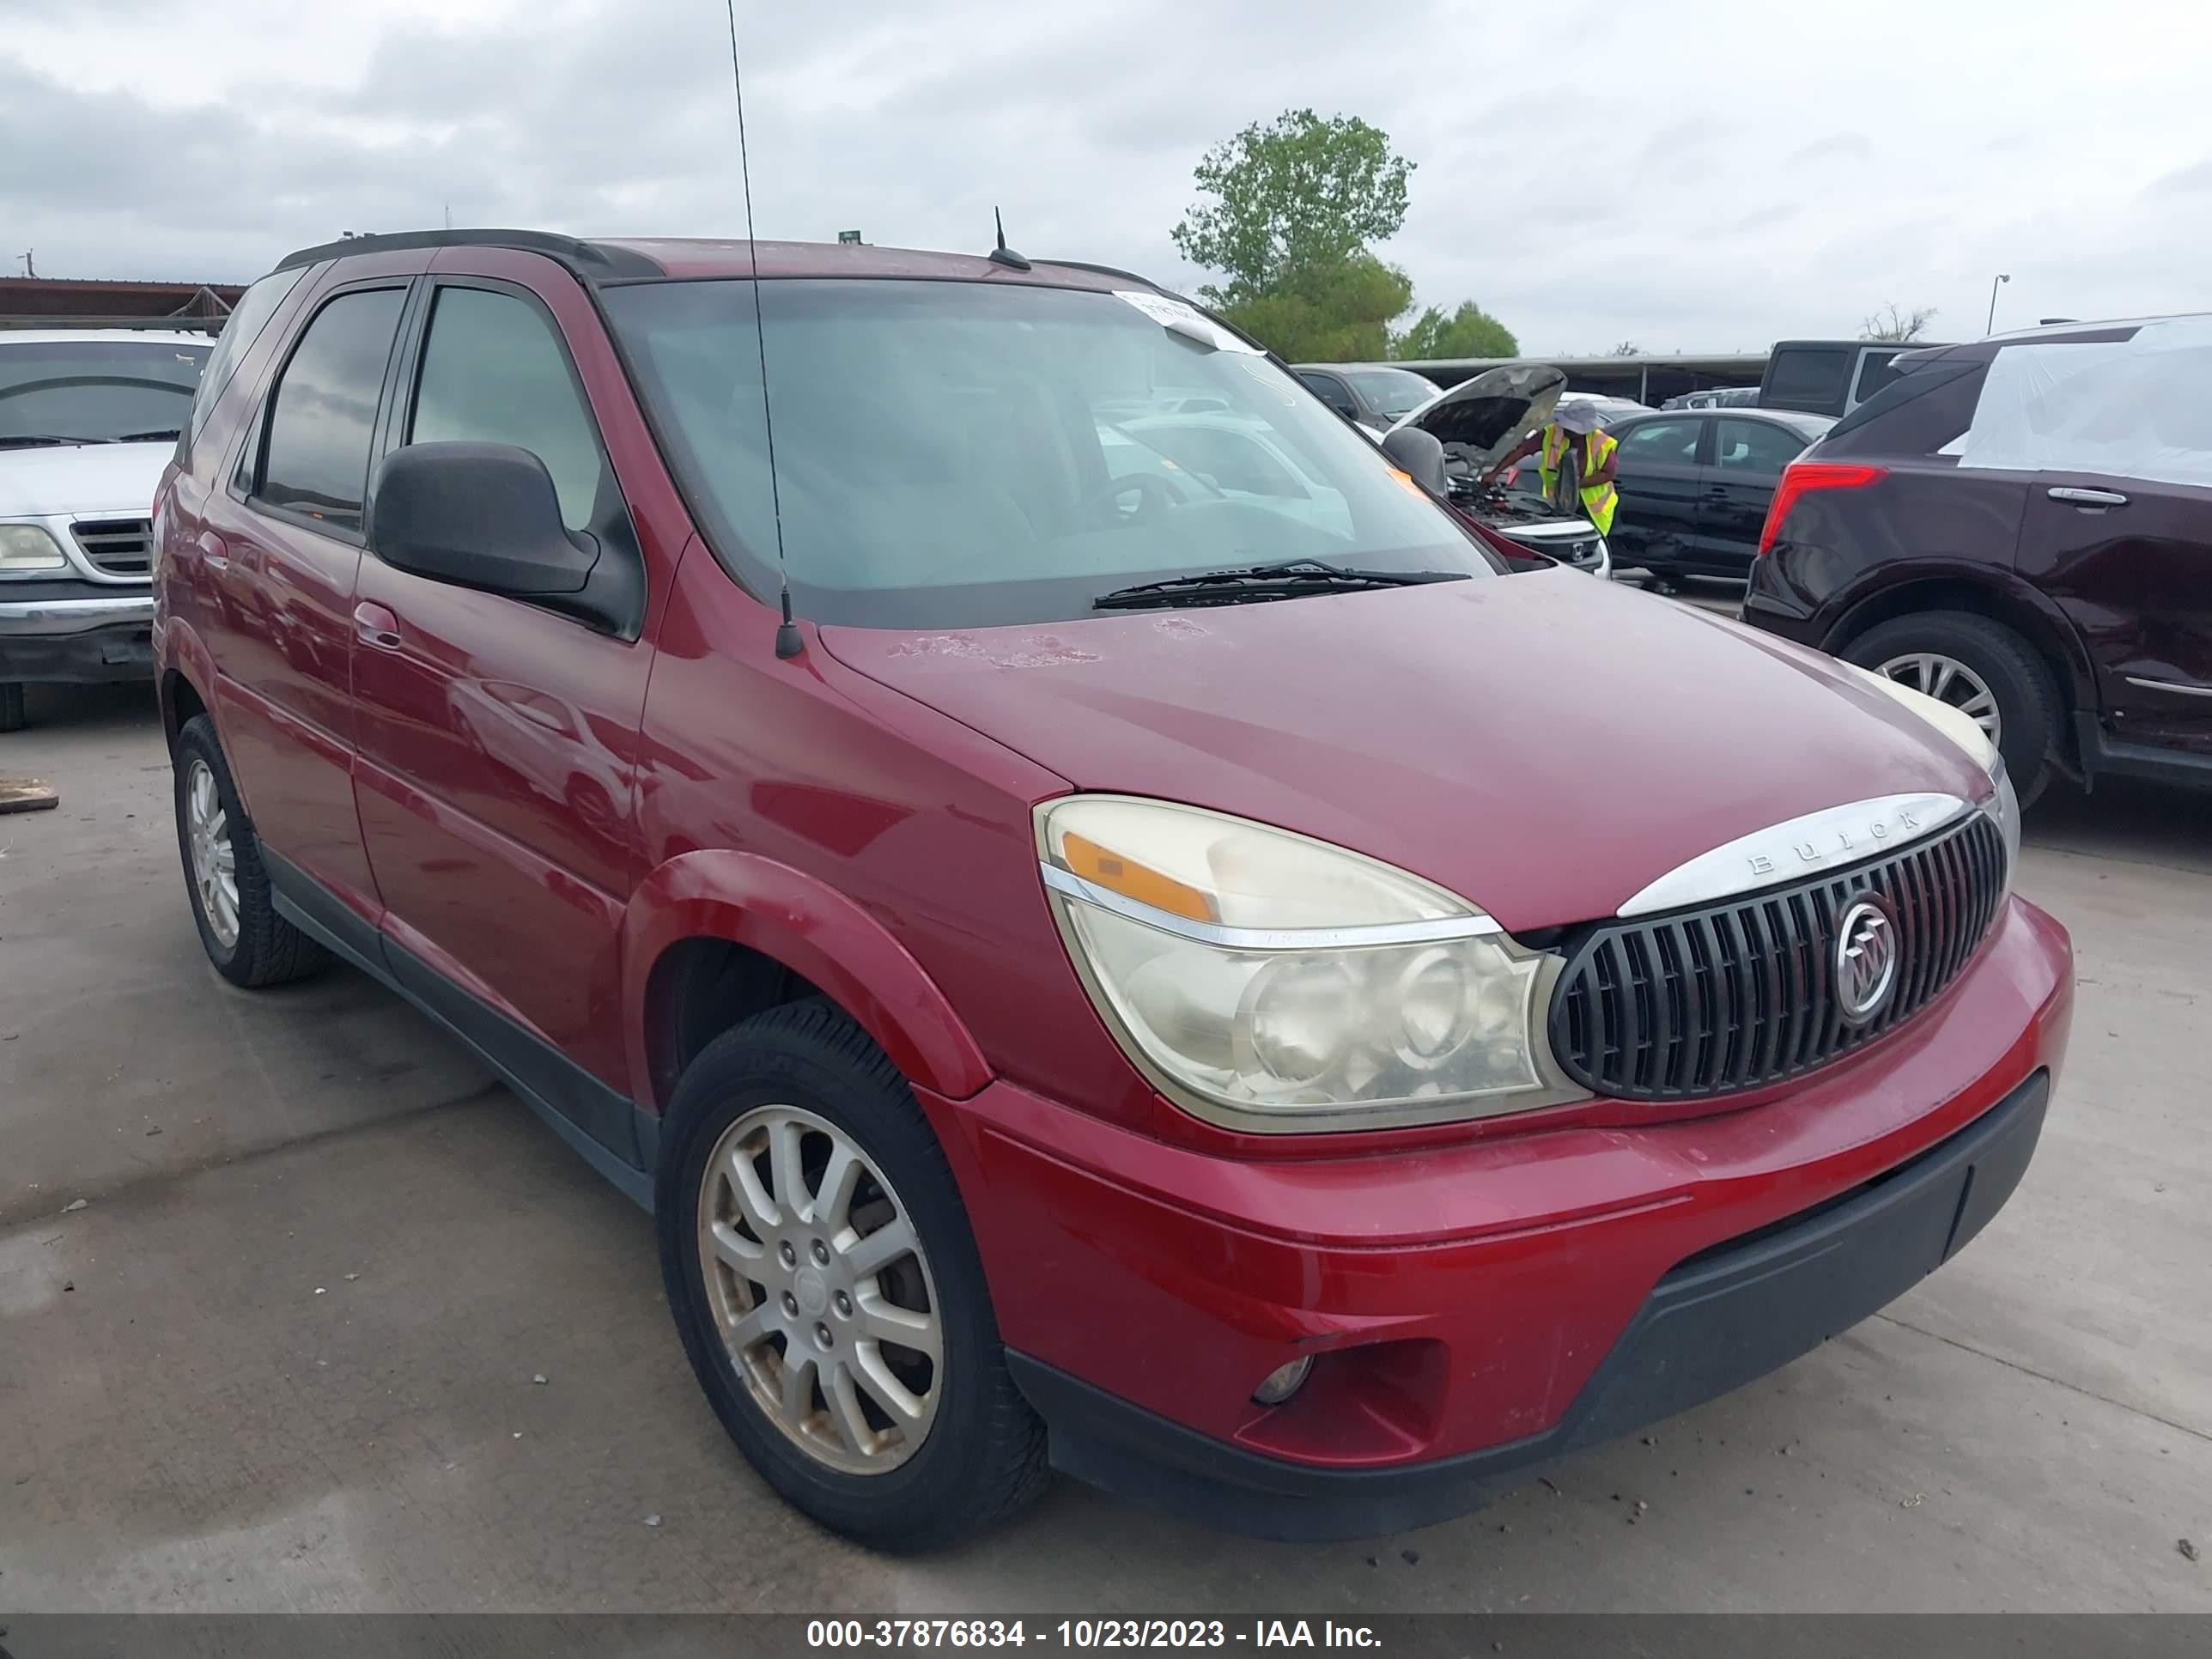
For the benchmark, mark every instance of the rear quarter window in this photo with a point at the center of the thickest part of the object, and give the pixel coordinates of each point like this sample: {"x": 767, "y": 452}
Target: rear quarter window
{"x": 250, "y": 316}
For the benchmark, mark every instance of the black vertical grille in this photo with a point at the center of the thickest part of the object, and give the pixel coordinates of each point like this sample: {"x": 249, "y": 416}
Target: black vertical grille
{"x": 1740, "y": 994}
{"x": 119, "y": 547}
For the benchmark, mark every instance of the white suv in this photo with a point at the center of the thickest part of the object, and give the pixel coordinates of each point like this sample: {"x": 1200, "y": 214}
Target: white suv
{"x": 88, "y": 419}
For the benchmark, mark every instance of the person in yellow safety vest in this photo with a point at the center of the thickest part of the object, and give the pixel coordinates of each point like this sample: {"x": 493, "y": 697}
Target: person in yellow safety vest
{"x": 1576, "y": 462}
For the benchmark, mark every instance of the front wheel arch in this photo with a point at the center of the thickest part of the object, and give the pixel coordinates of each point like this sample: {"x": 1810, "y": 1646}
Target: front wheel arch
{"x": 799, "y": 927}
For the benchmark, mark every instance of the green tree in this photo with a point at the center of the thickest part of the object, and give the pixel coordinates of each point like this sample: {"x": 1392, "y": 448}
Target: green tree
{"x": 1334, "y": 311}
{"x": 1470, "y": 331}
{"x": 1299, "y": 194}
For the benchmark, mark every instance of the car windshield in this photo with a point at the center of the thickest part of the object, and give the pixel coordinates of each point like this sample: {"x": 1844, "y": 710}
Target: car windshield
{"x": 959, "y": 454}
{"x": 96, "y": 390}
{"x": 1394, "y": 391}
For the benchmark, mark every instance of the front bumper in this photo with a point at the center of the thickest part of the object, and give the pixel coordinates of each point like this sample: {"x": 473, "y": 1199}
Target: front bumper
{"x": 1477, "y": 1306}
{"x": 1723, "y": 1319}
{"x": 77, "y": 641}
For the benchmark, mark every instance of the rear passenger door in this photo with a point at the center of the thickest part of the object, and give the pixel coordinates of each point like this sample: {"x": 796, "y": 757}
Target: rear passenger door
{"x": 1748, "y": 459}
{"x": 1658, "y": 478}
{"x": 280, "y": 556}
{"x": 2129, "y": 561}
{"x": 497, "y": 746}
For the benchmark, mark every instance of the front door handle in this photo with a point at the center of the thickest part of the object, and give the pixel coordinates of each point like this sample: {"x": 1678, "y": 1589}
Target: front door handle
{"x": 374, "y": 625}
{"x": 2085, "y": 497}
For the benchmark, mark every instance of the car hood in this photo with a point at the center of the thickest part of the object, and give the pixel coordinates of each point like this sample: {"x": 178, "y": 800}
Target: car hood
{"x": 1545, "y": 745}
{"x": 116, "y": 478}
{"x": 1485, "y": 416}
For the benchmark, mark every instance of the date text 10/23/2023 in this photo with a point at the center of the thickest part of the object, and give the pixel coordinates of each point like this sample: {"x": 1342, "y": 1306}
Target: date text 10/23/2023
{"x": 1086, "y": 1633}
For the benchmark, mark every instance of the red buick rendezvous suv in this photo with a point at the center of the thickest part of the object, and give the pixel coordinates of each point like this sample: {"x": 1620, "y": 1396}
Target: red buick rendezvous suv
{"x": 1060, "y": 875}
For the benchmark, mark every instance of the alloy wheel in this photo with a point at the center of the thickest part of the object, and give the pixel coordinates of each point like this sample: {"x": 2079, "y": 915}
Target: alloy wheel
{"x": 820, "y": 1290}
{"x": 214, "y": 860}
{"x": 1948, "y": 680}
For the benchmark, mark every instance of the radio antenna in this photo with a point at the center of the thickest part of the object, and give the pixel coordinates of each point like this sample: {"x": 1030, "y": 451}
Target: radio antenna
{"x": 789, "y": 643}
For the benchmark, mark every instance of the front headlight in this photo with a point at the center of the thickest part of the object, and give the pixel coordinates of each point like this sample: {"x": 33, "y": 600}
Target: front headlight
{"x": 26, "y": 550}
{"x": 1266, "y": 981}
{"x": 1962, "y": 729}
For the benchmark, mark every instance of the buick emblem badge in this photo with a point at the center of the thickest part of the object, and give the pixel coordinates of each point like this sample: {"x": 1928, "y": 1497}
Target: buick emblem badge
{"x": 1866, "y": 959}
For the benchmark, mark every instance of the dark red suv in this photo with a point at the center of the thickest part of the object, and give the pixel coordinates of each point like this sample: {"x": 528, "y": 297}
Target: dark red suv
{"x": 2023, "y": 528}
{"x": 1144, "y": 974}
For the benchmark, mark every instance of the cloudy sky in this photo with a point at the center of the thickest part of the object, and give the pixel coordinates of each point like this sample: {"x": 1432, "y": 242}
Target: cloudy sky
{"x": 1703, "y": 175}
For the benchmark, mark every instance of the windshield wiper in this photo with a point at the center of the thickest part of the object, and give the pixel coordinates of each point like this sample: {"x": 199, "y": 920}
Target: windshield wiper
{"x": 1289, "y": 579}
{"x": 7, "y": 438}
{"x": 156, "y": 433}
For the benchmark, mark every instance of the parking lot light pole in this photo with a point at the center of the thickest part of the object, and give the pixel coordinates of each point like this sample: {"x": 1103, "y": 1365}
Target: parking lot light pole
{"x": 2002, "y": 277}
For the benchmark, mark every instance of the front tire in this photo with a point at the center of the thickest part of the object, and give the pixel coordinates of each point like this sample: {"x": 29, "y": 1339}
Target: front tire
{"x": 249, "y": 943}
{"x": 820, "y": 1268}
{"x": 1983, "y": 669}
{"x": 12, "y": 717}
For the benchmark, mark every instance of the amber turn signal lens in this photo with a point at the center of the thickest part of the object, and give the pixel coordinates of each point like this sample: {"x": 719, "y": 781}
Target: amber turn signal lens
{"x": 1131, "y": 881}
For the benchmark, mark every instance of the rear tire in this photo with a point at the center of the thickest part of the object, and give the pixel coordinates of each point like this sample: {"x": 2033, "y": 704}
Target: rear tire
{"x": 978, "y": 1454}
{"x": 2028, "y": 706}
{"x": 249, "y": 943}
{"x": 12, "y": 717}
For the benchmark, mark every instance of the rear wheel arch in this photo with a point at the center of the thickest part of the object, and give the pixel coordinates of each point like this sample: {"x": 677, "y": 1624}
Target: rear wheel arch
{"x": 712, "y": 938}
{"x": 2045, "y": 631}
{"x": 181, "y": 702}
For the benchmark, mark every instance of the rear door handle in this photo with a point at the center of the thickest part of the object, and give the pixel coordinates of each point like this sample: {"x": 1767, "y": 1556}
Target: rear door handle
{"x": 2087, "y": 497}
{"x": 374, "y": 625}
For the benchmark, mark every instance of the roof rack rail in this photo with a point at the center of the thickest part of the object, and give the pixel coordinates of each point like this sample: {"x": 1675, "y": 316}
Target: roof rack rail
{"x": 1100, "y": 271}
{"x": 583, "y": 259}
{"x": 64, "y": 323}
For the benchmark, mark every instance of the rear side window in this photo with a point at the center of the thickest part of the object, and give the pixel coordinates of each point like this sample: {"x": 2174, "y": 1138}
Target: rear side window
{"x": 495, "y": 372}
{"x": 2133, "y": 408}
{"x": 1662, "y": 443}
{"x": 324, "y": 411}
{"x": 1808, "y": 377}
{"x": 254, "y": 309}
{"x": 1755, "y": 446}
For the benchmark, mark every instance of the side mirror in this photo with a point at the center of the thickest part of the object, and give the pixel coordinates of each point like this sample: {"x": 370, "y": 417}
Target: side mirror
{"x": 1420, "y": 454}
{"x": 477, "y": 515}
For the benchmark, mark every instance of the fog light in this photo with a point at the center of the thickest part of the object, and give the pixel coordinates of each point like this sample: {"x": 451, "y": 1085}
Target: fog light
{"x": 1282, "y": 1383}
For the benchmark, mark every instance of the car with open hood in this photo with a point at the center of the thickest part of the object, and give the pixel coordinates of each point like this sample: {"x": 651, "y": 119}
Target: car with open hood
{"x": 1479, "y": 423}
{"x": 1088, "y": 967}
{"x": 88, "y": 417}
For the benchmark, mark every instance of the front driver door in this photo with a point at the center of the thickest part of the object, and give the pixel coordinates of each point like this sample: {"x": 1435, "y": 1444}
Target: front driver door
{"x": 497, "y": 770}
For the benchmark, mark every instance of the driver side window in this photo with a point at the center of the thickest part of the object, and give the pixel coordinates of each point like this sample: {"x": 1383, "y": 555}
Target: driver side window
{"x": 495, "y": 372}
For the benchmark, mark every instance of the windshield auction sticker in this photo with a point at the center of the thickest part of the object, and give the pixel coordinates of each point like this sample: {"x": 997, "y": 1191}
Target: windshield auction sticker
{"x": 1185, "y": 318}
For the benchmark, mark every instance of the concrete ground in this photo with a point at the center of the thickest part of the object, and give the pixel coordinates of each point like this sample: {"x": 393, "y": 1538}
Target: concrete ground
{"x": 284, "y": 1356}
